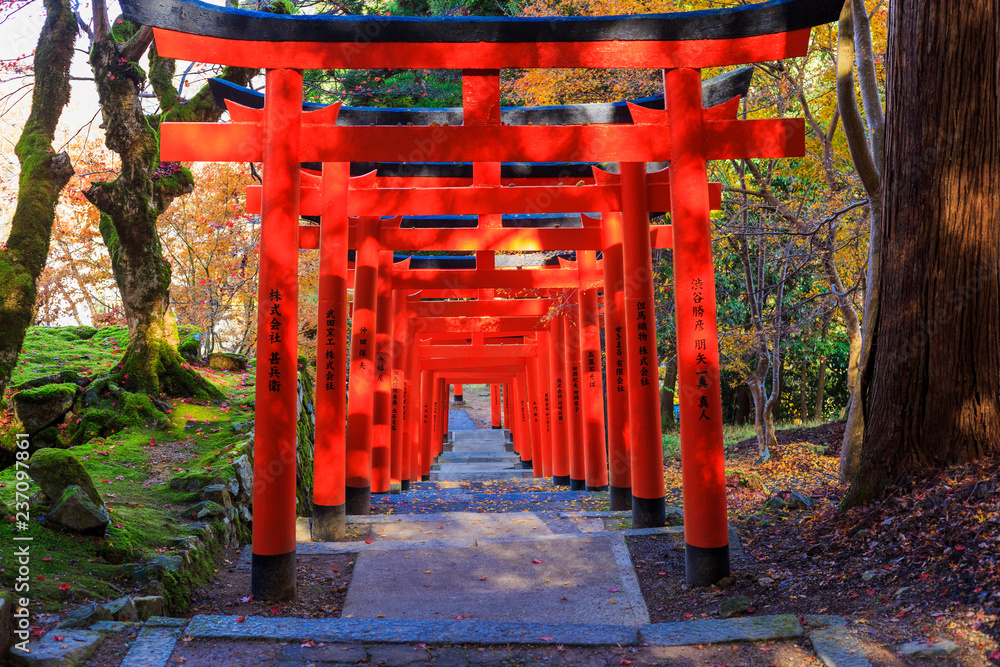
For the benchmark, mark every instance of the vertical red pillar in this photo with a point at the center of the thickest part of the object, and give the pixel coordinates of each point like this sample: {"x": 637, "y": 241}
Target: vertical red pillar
{"x": 382, "y": 408}
{"x": 508, "y": 418}
{"x": 427, "y": 409}
{"x": 411, "y": 393}
{"x": 557, "y": 373}
{"x": 459, "y": 394}
{"x": 592, "y": 384}
{"x": 574, "y": 432}
{"x": 496, "y": 406}
{"x": 443, "y": 409}
{"x": 648, "y": 505}
{"x": 276, "y": 396}
{"x": 534, "y": 395}
{"x": 545, "y": 401}
{"x": 619, "y": 456}
{"x": 706, "y": 531}
{"x": 399, "y": 473}
{"x": 329, "y": 520}
{"x": 524, "y": 419}
{"x": 361, "y": 390}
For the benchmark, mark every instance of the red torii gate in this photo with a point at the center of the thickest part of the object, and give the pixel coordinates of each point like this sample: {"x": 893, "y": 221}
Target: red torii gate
{"x": 683, "y": 134}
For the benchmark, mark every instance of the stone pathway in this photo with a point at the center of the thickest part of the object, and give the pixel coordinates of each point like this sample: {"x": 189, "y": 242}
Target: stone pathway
{"x": 538, "y": 582}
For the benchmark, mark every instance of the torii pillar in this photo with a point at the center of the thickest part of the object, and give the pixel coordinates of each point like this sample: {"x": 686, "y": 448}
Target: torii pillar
{"x": 273, "y": 551}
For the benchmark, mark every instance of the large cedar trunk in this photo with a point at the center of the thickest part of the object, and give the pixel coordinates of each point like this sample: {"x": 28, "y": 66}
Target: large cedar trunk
{"x": 44, "y": 174}
{"x": 930, "y": 386}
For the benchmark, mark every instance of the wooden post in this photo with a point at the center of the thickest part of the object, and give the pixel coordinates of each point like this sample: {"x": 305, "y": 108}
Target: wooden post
{"x": 560, "y": 437}
{"x": 276, "y": 396}
{"x": 577, "y": 459}
{"x": 495, "y": 406}
{"x": 329, "y": 520}
{"x": 619, "y": 455}
{"x": 648, "y": 504}
{"x": 361, "y": 391}
{"x": 382, "y": 410}
{"x": 592, "y": 384}
{"x": 706, "y": 530}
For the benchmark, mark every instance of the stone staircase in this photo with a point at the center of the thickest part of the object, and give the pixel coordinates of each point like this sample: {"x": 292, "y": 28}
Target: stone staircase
{"x": 477, "y": 456}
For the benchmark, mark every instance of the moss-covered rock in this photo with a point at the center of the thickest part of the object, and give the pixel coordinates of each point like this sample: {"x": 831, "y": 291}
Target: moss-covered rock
{"x": 44, "y": 406}
{"x": 54, "y": 470}
{"x": 95, "y": 423}
{"x": 85, "y": 332}
{"x": 190, "y": 347}
{"x": 226, "y": 361}
{"x": 62, "y": 377}
{"x": 76, "y": 512}
{"x": 47, "y": 437}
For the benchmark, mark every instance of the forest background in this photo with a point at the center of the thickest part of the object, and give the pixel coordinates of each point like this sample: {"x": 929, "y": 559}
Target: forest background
{"x": 791, "y": 243}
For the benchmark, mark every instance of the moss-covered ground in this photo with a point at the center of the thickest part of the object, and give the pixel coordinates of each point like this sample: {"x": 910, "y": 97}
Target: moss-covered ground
{"x": 132, "y": 470}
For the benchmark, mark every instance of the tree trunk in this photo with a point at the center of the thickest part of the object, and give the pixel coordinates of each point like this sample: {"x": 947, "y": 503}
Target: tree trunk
{"x": 667, "y": 421}
{"x": 43, "y": 176}
{"x": 820, "y": 389}
{"x": 929, "y": 387}
{"x": 763, "y": 421}
{"x": 131, "y": 204}
{"x": 803, "y": 397}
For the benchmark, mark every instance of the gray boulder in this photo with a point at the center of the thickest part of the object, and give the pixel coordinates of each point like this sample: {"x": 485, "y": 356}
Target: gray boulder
{"x": 122, "y": 609}
{"x": 76, "y": 512}
{"x": 928, "y": 649}
{"x": 84, "y": 616}
{"x": 54, "y": 470}
{"x": 151, "y": 605}
{"x": 72, "y": 648}
{"x": 735, "y": 605}
{"x": 243, "y": 468}
{"x": 207, "y": 509}
{"x": 217, "y": 493}
{"x": 44, "y": 406}
{"x": 7, "y": 601}
{"x": 224, "y": 361}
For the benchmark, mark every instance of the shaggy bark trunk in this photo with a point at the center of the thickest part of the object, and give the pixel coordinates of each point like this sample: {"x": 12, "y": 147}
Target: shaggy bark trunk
{"x": 930, "y": 382}
{"x": 131, "y": 204}
{"x": 763, "y": 422}
{"x": 43, "y": 176}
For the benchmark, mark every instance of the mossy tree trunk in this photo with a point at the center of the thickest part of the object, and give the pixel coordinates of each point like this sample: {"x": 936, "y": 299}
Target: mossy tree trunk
{"x": 44, "y": 174}
{"x": 131, "y": 204}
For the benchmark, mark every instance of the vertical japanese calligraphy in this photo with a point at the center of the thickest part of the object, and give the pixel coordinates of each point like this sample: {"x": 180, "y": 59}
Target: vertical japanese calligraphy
{"x": 274, "y": 336}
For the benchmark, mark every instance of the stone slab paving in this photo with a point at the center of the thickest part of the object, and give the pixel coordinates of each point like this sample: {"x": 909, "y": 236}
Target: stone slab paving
{"x": 57, "y": 647}
{"x": 583, "y": 579}
{"x": 685, "y": 633}
{"x": 155, "y": 643}
{"x": 443, "y": 525}
{"x": 395, "y": 631}
{"x": 837, "y": 648}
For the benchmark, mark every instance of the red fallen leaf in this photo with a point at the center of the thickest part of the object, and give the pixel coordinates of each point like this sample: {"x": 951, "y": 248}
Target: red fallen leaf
{"x": 765, "y": 648}
{"x": 661, "y": 573}
{"x": 995, "y": 655}
{"x": 64, "y": 587}
{"x": 275, "y": 609}
{"x": 546, "y": 639}
{"x": 41, "y": 577}
{"x": 240, "y": 619}
{"x": 460, "y": 617}
{"x": 537, "y": 561}
{"x": 58, "y": 638}
{"x": 482, "y": 578}
{"x": 368, "y": 541}
{"x": 336, "y": 569}
{"x": 421, "y": 645}
{"x": 47, "y": 559}
{"x": 686, "y": 615}
{"x": 959, "y": 547}
{"x": 36, "y": 632}
{"x": 625, "y": 661}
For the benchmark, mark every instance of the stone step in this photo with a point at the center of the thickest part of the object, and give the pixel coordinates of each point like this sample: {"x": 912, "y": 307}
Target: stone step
{"x": 477, "y": 466}
{"x": 479, "y": 475}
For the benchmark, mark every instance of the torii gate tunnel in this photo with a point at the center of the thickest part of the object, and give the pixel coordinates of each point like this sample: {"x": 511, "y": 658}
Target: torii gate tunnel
{"x": 530, "y": 169}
